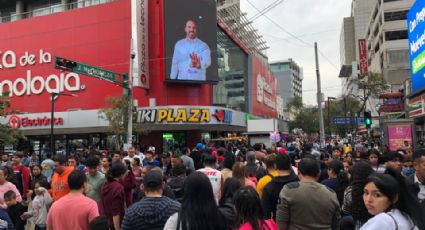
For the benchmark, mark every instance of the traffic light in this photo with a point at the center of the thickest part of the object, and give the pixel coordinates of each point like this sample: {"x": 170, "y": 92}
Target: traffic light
{"x": 65, "y": 64}
{"x": 367, "y": 119}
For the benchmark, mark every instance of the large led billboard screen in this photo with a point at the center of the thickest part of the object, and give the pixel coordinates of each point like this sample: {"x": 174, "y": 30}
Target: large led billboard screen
{"x": 190, "y": 41}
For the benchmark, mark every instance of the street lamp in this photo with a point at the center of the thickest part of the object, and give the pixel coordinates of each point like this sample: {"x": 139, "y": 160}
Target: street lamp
{"x": 54, "y": 95}
{"x": 329, "y": 118}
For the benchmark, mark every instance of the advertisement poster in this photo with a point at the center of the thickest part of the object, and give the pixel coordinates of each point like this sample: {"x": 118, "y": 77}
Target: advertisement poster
{"x": 190, "y": 40}
{"x": 397, "y": 134}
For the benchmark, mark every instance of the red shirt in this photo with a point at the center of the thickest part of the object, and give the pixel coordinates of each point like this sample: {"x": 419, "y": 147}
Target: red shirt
{"x": 25, "y": 174}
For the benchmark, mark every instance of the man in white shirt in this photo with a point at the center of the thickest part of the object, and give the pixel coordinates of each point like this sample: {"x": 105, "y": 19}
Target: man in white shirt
{"x": 131, "y": 155}
{"x": 216, "y": 179}
{"x": 191, "y": 56}
{"x": 418, "y": 178}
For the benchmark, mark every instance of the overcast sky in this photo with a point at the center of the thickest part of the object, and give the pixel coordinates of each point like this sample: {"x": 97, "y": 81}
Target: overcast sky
{"x": 311, "y": 21}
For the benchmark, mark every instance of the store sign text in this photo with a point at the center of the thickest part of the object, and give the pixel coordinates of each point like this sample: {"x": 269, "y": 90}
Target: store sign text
{"x": 30, "y": 84}
{"x": 16, "y": 122}
{"x": 169, "y": 116}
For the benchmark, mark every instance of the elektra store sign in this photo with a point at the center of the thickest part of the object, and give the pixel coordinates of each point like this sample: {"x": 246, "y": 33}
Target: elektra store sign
{"x": 17, "y": 122}
{"x": 31, "y": 83}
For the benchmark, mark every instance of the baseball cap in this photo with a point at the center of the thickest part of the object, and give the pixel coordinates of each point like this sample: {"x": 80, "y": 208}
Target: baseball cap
{"x": 282, "y": 151}
{"x": 200, "y": 146}
{"x": 151, "y": 148}
{"x": 153, "y": 179}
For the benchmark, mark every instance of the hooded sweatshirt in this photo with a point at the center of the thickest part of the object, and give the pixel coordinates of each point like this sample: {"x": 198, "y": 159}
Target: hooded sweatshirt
{"x": 112, "y": 201}
{"x": 150, "y": 213}
{"x": 60, "y": 185}
{"x": 271, "y": 193}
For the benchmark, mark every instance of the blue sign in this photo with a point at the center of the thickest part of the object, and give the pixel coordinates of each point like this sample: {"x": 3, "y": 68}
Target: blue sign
{"x": 416, "y": 33}
{"x": 348, "y": 120}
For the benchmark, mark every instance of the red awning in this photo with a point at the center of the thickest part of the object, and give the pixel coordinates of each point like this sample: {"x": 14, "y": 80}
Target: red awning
{"x": 391, "y": 95}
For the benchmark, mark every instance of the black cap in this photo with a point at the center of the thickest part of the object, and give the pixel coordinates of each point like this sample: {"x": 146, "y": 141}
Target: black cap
{"x": 153, "y": 179}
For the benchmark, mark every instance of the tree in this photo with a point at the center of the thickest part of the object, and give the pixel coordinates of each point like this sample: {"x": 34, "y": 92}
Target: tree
{"x": 373, "y": 85}
{"x": 307, "y": 119}
{"x": 8, "y": 136}
{"x": 295, "y": 105}
{"x": 116, "y": 114}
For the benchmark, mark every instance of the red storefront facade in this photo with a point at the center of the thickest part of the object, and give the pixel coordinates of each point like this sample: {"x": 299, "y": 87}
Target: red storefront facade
{"x": 101, "y": 36}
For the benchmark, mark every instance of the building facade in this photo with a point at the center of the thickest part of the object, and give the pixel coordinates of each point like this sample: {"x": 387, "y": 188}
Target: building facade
{"x": 124, "y": 36}
{"x": 387, "y": 42}
{"x": 289, "y": 82}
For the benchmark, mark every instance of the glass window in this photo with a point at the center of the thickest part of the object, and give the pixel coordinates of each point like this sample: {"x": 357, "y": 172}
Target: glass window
{"x": 232, "y": 72}
{"x": 394, "y": 16}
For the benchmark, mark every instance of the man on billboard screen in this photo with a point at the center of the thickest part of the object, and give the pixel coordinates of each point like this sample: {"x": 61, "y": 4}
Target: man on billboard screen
{"x": 190, "y": 41}
{"x": 191, "y": 56}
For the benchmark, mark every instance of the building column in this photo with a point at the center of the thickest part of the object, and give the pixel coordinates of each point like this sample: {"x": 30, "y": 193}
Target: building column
{"x": 20, "y": 8}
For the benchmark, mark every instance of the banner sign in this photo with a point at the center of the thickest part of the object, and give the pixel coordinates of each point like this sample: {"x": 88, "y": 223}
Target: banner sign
{"x": 190, "y": 115}
{"x": 363, "y": 57}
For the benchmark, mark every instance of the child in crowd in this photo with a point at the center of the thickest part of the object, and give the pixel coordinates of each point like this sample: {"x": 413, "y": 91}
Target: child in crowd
{"x": 15, "y": 210}
{"x": 40, "y": 206}
{"x": 5, "y": 221}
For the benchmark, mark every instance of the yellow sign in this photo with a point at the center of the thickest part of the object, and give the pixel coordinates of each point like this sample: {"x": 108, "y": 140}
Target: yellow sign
{"x": 183, "y": 115}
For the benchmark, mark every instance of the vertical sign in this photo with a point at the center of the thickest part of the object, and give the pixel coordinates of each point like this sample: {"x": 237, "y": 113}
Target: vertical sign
{"x": 139, "y": 27}
{"x": 397, "y": 134}
{"x": 416, "y": 36}
{"x": 363, "y": 57}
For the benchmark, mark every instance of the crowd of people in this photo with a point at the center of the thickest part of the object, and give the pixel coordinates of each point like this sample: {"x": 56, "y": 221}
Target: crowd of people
{"x": 292, "y": 185}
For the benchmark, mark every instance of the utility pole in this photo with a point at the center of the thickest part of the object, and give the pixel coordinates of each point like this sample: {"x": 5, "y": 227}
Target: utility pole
{"x": 130, "y": 99}
{"x": 319, "y": 98}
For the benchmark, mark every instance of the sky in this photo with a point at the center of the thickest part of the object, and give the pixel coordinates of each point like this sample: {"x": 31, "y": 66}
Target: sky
{"x": 311, "y": 21}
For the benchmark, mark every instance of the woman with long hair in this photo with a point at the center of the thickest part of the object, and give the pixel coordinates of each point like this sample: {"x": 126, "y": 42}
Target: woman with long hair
{"x": 387, "y": 198}
{"x": 250, "y": 212}
{"x": 353, "y": 208}
{"x": 113, "y": 197}
{"x": 226, "y": 206}
{"x": 239, "y": 172}
{"x": 199, "y": 209}
{"x": 337, "y": 180}
{"x": 38, "y": 177}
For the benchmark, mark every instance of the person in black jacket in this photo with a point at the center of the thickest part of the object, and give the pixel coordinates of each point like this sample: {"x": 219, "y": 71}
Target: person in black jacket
{"x": 226, "y": 206}
{"x": 272, "y": 189}
{"x": 416, "y": 182}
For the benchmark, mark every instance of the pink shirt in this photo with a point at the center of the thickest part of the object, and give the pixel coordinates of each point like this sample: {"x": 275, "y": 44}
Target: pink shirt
{"x": 5, "y": 188}
{"x": 249, "y": 182}
{"x": 271, "y": 225}
{"x": 73, "y": 212}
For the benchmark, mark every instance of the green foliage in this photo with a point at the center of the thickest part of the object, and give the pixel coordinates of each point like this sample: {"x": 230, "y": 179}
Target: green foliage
{"x": 308, "y": 118}
{"x": 116, "y": 114}
{"x": 295, "y": 105}
{"x": 373, "y": 85}
{"x": 8, "y": 136}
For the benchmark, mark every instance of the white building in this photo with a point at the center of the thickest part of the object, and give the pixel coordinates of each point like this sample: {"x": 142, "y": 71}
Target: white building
{"x": 387, "y": 43}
